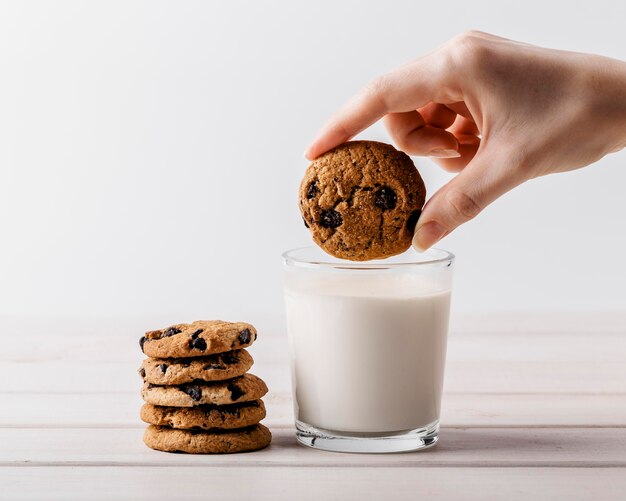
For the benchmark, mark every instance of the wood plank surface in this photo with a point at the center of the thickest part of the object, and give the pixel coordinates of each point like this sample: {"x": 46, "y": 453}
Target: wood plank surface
{"x": 113, "y": 410}
{"x": 322, "y": 483}
{"x": 477, "y": 447}
{"x": 534, "y": 407}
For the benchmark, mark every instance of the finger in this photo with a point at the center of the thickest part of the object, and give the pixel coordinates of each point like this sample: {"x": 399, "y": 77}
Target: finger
{"x": 359, "y": 113}
{"x": 464, "y": 197}
{"x": 460, "y": 108}
{"x": 465, "y": 132}
{"x": 467, "y": 150}
{"x": 410, "y": 133}
{"x": 407, "y": 88}
{"x": 464, "y": 126}
{"x": 438, "y": 115}
{"x": 467, "y": 139}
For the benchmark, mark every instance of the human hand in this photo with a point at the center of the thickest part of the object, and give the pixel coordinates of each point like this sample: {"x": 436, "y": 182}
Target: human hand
{"x": 496, "y": 111}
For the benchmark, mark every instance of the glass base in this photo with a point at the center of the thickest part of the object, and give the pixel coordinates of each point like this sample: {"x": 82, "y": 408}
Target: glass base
{"x": 405, "y": 441}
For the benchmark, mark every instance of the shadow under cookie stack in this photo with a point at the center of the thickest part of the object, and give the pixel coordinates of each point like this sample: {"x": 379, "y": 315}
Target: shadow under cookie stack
{"x": 199, "y": 396}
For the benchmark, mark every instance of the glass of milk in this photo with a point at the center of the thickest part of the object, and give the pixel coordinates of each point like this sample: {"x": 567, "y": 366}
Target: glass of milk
{"x": 368, "y": 348}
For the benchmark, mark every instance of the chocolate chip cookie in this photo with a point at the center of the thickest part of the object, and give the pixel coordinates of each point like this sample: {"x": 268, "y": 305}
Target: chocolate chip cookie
{"x": 197, "y": 339}
{"x": 361, "y": 200}
{"x": 241, "y": 389}
{"x": 217, "y": 367}
{"x": 205, "y": 417}
{"x": 168, "y": 439}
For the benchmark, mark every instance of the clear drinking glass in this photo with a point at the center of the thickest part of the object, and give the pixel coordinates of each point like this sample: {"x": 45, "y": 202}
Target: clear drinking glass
{"x": 368, "y": 347}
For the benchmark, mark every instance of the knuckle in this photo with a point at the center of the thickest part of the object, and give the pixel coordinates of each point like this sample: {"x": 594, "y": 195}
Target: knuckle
{"x": 470, "y": 49}
{"x": 464, "y": 207}
{"x": 474, "y": 34}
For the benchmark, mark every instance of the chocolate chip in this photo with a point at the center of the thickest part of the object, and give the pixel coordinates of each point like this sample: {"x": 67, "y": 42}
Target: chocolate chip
{"x": 233, "y": 411}
{"x": 245, "y": 336}
{"x": 312, "y": 190}
{"x": 219, "y": 367}
{"x": 163, "y": 368}
{"x": 385, "y": 198}
{"x": 171, "y": 331}
{"x": 197, "y": 344}
{"x": 306, "y": 225}
{"x": 142, "y": 372}
{"x": 331, "y": 219}
{"x": 235, "y": 392}
{"x": 142, "y": 341}
{"x": 412, "y": 220}
{"x": 193, "y": 391}
{"x": 229, "y": 358}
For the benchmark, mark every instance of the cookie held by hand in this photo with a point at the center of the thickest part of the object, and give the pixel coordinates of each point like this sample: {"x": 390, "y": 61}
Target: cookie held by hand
{"x": 361, "y": 200}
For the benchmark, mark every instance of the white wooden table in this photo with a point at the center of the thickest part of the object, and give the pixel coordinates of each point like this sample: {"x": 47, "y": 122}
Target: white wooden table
{"x": 534, "y": 406}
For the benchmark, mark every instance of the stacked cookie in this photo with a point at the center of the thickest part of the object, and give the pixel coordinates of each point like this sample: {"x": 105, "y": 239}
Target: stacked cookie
{"x": 199, "y": 396}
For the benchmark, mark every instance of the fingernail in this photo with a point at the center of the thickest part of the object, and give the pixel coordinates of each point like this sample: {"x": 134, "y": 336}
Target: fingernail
{"x": 427, "y": 235}
{"x": 444, "y": 153}
{"x": 304, "y": 155}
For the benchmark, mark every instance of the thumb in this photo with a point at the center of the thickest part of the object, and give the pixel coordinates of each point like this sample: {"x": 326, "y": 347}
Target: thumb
{"x": 481, "y": 182}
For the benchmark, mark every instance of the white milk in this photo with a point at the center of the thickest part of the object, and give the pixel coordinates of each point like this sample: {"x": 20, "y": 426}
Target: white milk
{"x": 368, "y": 352}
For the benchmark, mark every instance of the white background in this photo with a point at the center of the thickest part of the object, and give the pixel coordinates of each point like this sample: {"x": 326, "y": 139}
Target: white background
{"x": 150, "y": 154}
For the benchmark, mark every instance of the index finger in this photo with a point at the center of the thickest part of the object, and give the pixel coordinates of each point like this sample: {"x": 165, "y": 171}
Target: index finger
{"x": 407, "y": 88}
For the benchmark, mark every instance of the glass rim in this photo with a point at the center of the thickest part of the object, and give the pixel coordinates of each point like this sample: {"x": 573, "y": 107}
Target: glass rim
{"x": 446, "y": 259}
